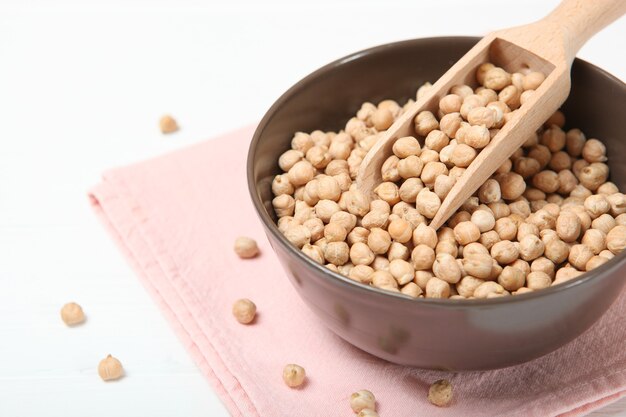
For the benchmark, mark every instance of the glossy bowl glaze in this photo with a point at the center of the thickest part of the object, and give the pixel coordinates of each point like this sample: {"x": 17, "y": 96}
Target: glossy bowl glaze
{"x": 431, "y": 333}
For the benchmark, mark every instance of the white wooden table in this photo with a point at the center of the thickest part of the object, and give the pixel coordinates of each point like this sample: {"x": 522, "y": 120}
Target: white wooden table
{"x": 82, "y": 85}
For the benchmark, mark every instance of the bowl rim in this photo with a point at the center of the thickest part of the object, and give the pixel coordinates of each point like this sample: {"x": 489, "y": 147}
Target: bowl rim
{"x": 336, "y": 278}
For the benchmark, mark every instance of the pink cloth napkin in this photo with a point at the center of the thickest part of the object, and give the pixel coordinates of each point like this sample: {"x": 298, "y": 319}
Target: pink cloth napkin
{"x": 176, "y": 217}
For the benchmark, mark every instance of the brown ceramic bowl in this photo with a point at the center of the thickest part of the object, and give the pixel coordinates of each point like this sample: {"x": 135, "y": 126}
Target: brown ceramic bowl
{"x": 431, "y": 333}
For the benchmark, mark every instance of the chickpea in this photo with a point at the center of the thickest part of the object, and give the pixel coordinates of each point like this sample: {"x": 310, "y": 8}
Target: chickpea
{"x": 437, "y": 288}
{"x": 412, "y": 290}
{"x": 511, "y": 96}
{"x": 425, "y": 122}
{"x": 543, "y": 265}
{"x": 432, "y": 170}
{"x": 547, "y": 181}
{"x": 568, "y": 226}
{"x": 382, "y": 119}
{"x": 531, "y": 247}
{"x": 616, "y": 239}
{"x": 553, "y": 138}
{"x": 427, "y": 203}
{"x": 594, "y": 151}
{"x": 361, "y": 254}
{"x": 504, "y": 252}
{"x": 314, "y": 252}
{"x": 489, "y": 287}
{"x": 506, "y": 228}
{"x": 594, "y": 175}
{"x": 466, "y": 232}
{"x": 379, "y": 240}
{"x": 462, "y": 156}
{"x": 565, "y": 274}
{"x": 361, "y": 273}
{"x": 607, "y": 188}
{"x": 389, "y": 170}
{"x": 512, "y": 185}
{"x": 618, "y": 204}
{"x": 384, "y": 280}
{"x": 410, "y": 167}
{"x": 388, "y": 191}
{"x": 446, "y": 268}
{"x": 511, "y": 278}
{"x": 422, "y": 257}
{"x": 293, "y": 375}
{"x": 406, "y": 146}
{"x": 436, "y": 140}
{"x": 496, "y": 79}
{"x": 337, "y": 253}
{"x": 484, "y": 220}
{"x": 380, "y": 263}
{"x": 244, "y": 311}
{"x": 402, "y": 271}
{"x": 443, "y": 185}
{"x": 450, "y": 124}
{"x": 298, "y": 235}
{"x": 533, "y": 80}
{"x": 604, "y": 223}
{"x": 595, "y": 262}
{"x": 538, "y": 280}
{"x": 400, "y": 230}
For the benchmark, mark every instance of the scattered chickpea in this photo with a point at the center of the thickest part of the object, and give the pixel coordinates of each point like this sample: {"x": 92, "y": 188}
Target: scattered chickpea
{"x": 293, "y": 375}
{"x": 246, "y": 247}
{"x": 72, "y": 314}
{"x": 167, "y": 124}
{"x": 110, "y": 369}
{"x": 440, "y": 393}
{"x": 362, "y": 400}
{"x": 244, "y": 311}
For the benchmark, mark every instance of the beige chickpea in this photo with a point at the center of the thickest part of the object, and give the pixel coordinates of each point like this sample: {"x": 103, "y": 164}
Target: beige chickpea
{"x": 281, "y": 185}
{"x": 458, "y": 217}
{"x": 478, "y": 265}
{"x": 526, "y": 167}
{"x": 388, "y": 191}
{"x": 481, "y": 72}
{"x": 574, "y": 142}
{"x": 332, "y": 267}
{"x": 384, "y": 280}
{"x": 487, "y": 94}
{"x": 361, "y": 254}
{"x": 287, "y": 221}
{"x": 489, "y": 192}
{"x": 504, "y": 252}
{"x": 607, "y": 188}
{"x": 462, "y": 155}
{"x": 547, "y": 181}
{"x": 461, "y": 90}
{"x": 531, "y": 247}
{"x": 567, "y": 181}
{"x": 616, "y": 239}
{"x": 512, "y": 185}
{"x": 358, "y": 203}
{"x": 409, "y": 189}
{"x": 298, "y": 235}
{"x": 533, "y": 80}
{"x": 511, "y": 278}
{"x": 436, "y": 140}
{"x": 578, "y": 165}
{"x": 594, "y": 151}
{"x": 595, "y": 240}
{"x": 410, "y": 167}
{"x": 422, "y": 257}
{"x": 496, "y": 78}
{"x": 347, "y": 220}
{"x": 72, "y": 314}
{"x": 568, "y": 226}
{"x": 402, "y": 271}
{"x": 447, "y": 246}
{"x": 467, "y": 285}
{"x": 534, "y": 195}
{"x": 301, "y": 173}
{"x": 450, "y": 103}
{"x": 110, "y": 368}
{"x": 284, "y": 205}
{"x": 324, "y": 209}
{"x": 488, "y": 239}
{"x": 379, "y": 240}
{"x": 525, "y": 96}
{"x": 422, "y": 278}
{"x": 541, "y": 154}
{"x": 334, "y": 232}
{"x": 380, "y": 263}
{"x": 382, "y": 119}
{"x": 398, "y": 250}
{"x": 412, "y": 290}
{"x": 425, "y": 122}
{"x": 328, "y": 188}
{"x": 336, "y": 167}
{"x": 617, "y": 202}
{"x": 425, "y": 235}
{"x": 544, "y": 265}
{"x": 443, "y": 185}
{"x": 361, "y": 273}
{"x": 400, "y": 230}
{"x": 579, "y": 255}
{"x": 556, "y": 250}
{"x": 431, "y": 171}
{"x": 375, "y": 218}
{"x": 309, "y": 195}
{"x": 522, "y": 265}
{"x": 303, "y": 212}
{"x": 366, "y": 111}
{"x": 450, "y": 124}
{"x": 607, "y": 254}
{"x": 392, "y": 106}
{"x": 538, "y": 280}
{"x": 484, "y": 220}
{"x": 389, "y": 169}
{"x": 337, "y": 253}
{"x": 554, "y": 138}
{"x": 246, "y": 247}
{"x": 595, "y": 262}
{"x": 594, "y": 175}
{"x": 427, "y": 203}
{"x": 506, "y": 228}
{"x": 244, "y": 311}
{"x": 481, "y": 116}
{"x": 446, "y": 268}
{"x": 565, "y": 274}
{"x": 466, "y": 232}
{"x": 429, "y": 155}
{"x": 406, "y": 146}
{"x": 314, "y": 252}
{"x": 437, "y": 288}
{"x": 339, "y": 150}
{"x": 499, "y": 209}
{"x": 525, "y": 229}
{"x": 288, "y": 159}
{"x": 471, "y": 102}
{"x": 477, "y": 136}
{"x": 621, "y": 219}
{"x": 320, "y": 138}
{"x": 511, "y": 96}
{"x": 487, "y": 288}
{"x": 604, "y": 222}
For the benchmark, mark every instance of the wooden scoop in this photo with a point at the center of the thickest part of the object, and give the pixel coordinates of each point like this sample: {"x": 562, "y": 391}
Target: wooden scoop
{"x": 547, "y": 46}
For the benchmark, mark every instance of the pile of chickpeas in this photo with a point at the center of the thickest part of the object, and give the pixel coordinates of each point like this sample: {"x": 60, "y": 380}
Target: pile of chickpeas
{"x": 546, "y": 216}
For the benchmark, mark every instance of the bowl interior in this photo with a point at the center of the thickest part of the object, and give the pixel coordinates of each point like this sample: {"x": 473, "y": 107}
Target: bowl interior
{"x": 327, "y": 98}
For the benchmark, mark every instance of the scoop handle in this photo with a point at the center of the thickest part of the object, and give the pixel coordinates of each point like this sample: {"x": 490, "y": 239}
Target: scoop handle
{"x": 579, "y": 20}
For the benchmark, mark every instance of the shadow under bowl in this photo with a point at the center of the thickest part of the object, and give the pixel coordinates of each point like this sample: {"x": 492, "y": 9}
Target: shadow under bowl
{"x": 432, "y": 333}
